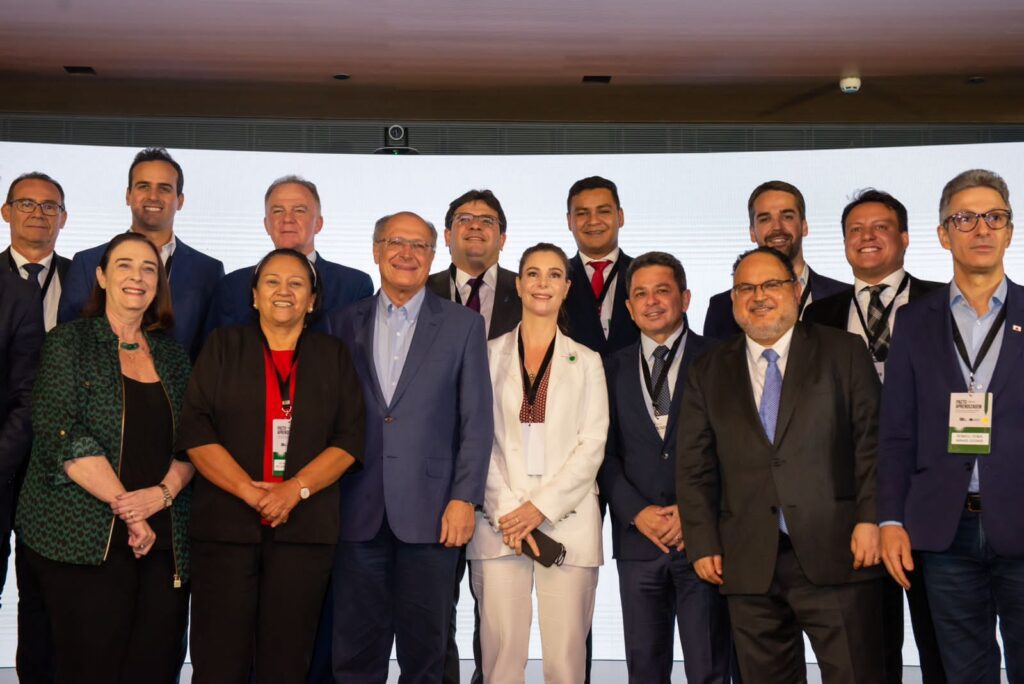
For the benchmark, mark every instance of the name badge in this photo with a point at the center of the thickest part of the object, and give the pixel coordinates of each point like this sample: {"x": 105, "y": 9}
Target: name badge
{"x": 533, "y": 447}
{"x": 280, "y": 429}
{"x": 661, "y": 423}
{"x": 970, "y": 423}
{"x": 880, "y": 369}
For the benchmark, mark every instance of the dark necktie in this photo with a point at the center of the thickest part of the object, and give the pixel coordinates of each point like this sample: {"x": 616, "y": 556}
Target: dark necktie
{"x": 878, "y": 327}
{"x": 33, "y": 271}
{"x": 662, "y": 401}
{"x": 597, "y": 280}
{"x": 473, "y": 301}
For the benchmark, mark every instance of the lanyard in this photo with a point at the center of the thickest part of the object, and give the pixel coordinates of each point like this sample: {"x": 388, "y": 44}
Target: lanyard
{"x": 609, "y": 276}
{"x": 283, "y": 383}
{"x": 654, "y": 390}
{"x": 985, "y": 346}
{"x": 530, "y": 389}
{"x": 872, "y": 341}
{"x": 49, "y": 274}
{"x": 455, "y": 284}
{"x": 804, "y": 296}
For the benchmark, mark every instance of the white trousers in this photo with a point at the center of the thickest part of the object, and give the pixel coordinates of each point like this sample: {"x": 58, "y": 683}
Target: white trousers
{"x": 565, "y": 606}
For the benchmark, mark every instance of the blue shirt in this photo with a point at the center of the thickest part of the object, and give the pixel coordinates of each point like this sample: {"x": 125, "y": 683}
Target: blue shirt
{"x": 974, "y": 329}
{"x": 392, "y": 336}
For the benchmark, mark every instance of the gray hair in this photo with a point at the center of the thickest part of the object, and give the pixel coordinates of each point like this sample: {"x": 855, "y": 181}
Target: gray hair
{"x": 382, "y": 223}
{"x": 292, "y": 179}
{"x": 974, "y": 178}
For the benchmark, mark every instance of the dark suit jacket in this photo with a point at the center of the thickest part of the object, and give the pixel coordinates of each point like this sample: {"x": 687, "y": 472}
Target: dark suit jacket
{"x": 919, "y": 483}
{"x": 820, "y": 469}
{"x": 639, "y": 466}
{"x": 432, "y": 443}
{"x": 508, "y": 307}
{"x": 21, "y": 339}
{"x": 194, "y": 276}
{"x": 226, "y": 404}
{"x": 63, "y": 263}
{"x": 720, "y": 324}
{"x": 834, "y": 311}
{"x": 584, "y": 320}
{"x": 340, "y": 285}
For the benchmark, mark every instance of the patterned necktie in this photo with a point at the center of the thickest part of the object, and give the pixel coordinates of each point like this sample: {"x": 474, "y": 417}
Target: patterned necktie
{"x": 662, "y": 401}
{"x": 473, "y": 301}
{"x": 878, "y": 327}
{"x": 597, "y": 280}
{"x": 33, "y": 271}
{"x": 769, "y": 410}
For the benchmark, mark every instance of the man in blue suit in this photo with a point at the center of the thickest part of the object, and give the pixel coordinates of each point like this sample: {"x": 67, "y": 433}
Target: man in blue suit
{"x": 155, "y": 195}
{"x": 657, "y": 584}
{"x": 292, "y": 220}
{"x": 422, "y": 363}
{"x": 952, "y": 495}
{"x": 778, "y": 219}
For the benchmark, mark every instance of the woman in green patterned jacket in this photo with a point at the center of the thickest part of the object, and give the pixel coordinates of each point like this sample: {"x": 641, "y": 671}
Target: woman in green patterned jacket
{"x": 104, "y": 508}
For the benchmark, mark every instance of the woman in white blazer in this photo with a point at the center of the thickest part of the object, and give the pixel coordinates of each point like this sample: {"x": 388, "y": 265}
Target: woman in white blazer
{"x": 550, "y": 427}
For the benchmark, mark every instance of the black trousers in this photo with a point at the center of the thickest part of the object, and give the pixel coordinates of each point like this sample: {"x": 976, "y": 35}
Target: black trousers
{"x": 255, "y": 609}
{"x": 35, "y": 659}
{"x": 121, "y": 621}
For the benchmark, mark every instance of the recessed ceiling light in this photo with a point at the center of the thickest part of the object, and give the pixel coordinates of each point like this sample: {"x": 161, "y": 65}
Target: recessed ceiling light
{"x": 341, "y": 77}
{"x": 597, "y": 79}
{"x": 80, "y": 70}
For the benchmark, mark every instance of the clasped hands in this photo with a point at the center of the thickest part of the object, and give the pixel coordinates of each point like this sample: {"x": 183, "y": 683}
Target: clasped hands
{"x": 517, "y": 525}
{"x": 134, "y": 508}
{"x": 662, "y": 526}
{"x": 274, "y": 501}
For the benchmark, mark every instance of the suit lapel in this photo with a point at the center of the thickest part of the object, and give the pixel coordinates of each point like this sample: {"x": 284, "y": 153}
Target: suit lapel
{"x": 941, "y": 330}
{"x": 802, "y": 352}
{"x": 739, "y": 377}
{"x": 7, "y": 262}
{"x": 505, "y": 304}
{"x": 180, "y": 275}
{"x": 1013, "y": 339}
{"x": 633, "y": 398}
{"x": 365, "y": 320}
{"x": 690, "y": 349}
{"x": 426, "y": 330}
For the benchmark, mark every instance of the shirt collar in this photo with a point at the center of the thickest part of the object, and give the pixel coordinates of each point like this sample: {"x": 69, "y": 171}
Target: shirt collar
{"x": 20, "y": 260}
{"x": 781, "y": 346}
{"x": 893, "y": 280}
{"x": 611, "y": 256}
{"x": 956, "y": 297}
{"x": 804, "y": 276}
{"x": 490, "y": 277}
{"x": 648, "y": 345}
{"x": 411, "y": 307}
{"x": 312, "y": 256}
{"x": 167, "y": 251}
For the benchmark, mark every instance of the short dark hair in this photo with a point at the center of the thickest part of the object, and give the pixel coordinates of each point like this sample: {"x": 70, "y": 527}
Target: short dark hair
{"x": 563, "y": 313}
{"x": 34, "y": 175}
{"x": 292, "y": 179}
{"x": 656, "y": 259}
{"x": 869, "y": 196}
{"x": 151, "y": 154}
{"x": 314, "y": 275}
{"x": 777, "y": 186}
{"x": 485, "y": 196}
{"x": 592, "y": 183}
{"x": 783, "y": 258}
{"x": 159, "y": 315}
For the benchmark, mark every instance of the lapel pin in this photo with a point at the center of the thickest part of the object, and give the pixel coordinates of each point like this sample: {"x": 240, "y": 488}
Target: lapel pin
{"x": 572, "y": 358}
{"x": 1016, "y": 328}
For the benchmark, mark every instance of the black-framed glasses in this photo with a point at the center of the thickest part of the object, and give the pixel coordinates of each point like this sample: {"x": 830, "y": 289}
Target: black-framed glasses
{"x": 27, "y": 206}
{"x": 966, "y": 221}
{"x": 465, "y": 218}
{"x": 773, "y": 286}
{"x": 397, "y": 244}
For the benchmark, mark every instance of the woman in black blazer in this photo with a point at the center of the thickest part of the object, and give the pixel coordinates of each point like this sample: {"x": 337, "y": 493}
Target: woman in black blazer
{"x": 273, "y": 417}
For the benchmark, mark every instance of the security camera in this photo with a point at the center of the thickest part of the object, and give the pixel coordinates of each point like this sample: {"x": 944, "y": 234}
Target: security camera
{"x": 396, "y": 134}
{"x": 849, "y": 84}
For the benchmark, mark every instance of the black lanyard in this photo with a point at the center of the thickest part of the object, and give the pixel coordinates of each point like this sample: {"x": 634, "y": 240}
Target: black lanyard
{"x": 283, "y": 382}
{"x": 609, "y": 276}
{"x": 530, "y": 389}
{"x": 997, "y": 325}
{"x": 873, "y": 339}
{"x": 654, "y": 390}
{"x": 49, "y": 273}
{"x": 455, "y": 284}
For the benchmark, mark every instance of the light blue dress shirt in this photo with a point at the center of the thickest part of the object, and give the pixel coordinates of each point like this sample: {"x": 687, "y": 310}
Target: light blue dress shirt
{"x": 392, "y": 336}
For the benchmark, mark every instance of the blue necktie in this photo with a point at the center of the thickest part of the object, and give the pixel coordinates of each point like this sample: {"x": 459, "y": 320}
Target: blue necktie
{"x": 769, "y": 410}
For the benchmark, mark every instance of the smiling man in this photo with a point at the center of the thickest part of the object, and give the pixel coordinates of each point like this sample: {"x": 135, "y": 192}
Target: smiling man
{"x": 778, "y": 219}
{"x": 155, "y": 195}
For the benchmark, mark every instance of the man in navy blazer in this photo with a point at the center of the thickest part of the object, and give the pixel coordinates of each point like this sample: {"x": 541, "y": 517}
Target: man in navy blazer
{"x": 155, "y": 195}
{"x": 292, "y": 219}
{"x": 778, "y": 219}
{"x": 657, "y": 584}
{"x": 955, "y": 498}
{"x": 422, "y": 363}
{"x": 596, "y": 304}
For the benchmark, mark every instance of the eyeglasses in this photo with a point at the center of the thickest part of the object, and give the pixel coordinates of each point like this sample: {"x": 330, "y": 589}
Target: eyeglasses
{"x": 397, "y": 244}
{"x": 463, "y": 220}
{"x": 966, "y": 221}
{"x": 773, "y": 286}
{"x": 27, "y": 206}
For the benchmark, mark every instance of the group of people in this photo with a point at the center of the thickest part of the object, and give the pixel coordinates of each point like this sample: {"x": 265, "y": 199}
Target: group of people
{"x": 298, "y": 472}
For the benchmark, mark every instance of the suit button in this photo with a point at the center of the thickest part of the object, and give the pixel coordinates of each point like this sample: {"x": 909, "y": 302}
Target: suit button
{"x": 389, "y": 419}
{"x": 664, "y": 456}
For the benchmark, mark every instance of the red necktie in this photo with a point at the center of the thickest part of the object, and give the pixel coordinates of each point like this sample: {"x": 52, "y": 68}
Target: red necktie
{"x": 597, "y": 280}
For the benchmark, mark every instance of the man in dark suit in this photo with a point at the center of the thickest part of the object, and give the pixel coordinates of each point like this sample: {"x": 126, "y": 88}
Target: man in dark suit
{"x": 657, "y": 584}
{"x": 422, "y": 363}
{"x": 596, "y": 303}
{"x": 155, "y": 195}
{"x": 776, "y": 483}
{"x": 778, "y": 219}
{"x": 876, "y": 237}
{"x": 292, "y": 219}
{"x": 949, "y": 498}
{"x": 474, "y": 231}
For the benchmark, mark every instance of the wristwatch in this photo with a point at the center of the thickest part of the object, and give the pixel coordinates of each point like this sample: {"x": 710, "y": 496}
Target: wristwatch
{"x": 168, "y": 499}
{"x": 303, "y": 489}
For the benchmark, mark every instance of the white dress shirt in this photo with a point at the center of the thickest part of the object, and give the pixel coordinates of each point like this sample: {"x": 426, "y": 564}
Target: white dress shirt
{"x": 609, "y": 298}
{"x": 860, "y": 287}
{"x": 52, "y": 298}
{"x": 647, "y": 346}
{"x": 757, "y": 365}
{"x": 486, "y": 291}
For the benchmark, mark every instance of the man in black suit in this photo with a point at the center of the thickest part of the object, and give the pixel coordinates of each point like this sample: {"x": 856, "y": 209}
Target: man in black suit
{"x": 778, "y": 219}
{"x": 776, "y": 483}
{"x": 474, "y": 231}
{"x": 596, "y": 303}
{"x": 876, "y": 237}
{"x": 657, "y": 584}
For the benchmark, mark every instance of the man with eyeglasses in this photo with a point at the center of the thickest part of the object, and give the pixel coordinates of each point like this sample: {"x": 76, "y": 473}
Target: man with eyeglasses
{"x": 778, "y": 219}
{"x": 422, "y": 365}
{"x": 876, "y": 237}
{"x": 950, "y": 473}
{"x": 292, "y": 219}
{"x": 35, "y": 211}
{"x": 776, "y": 483}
